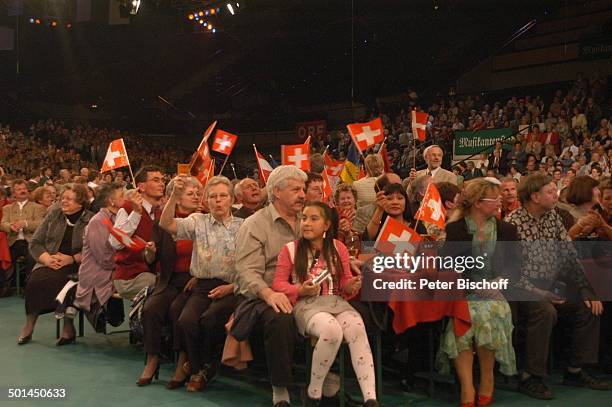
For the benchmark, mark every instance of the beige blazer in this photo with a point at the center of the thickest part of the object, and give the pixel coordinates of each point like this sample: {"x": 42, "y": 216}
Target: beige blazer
{"x": 32, "y": 213}
{"x": 441, "y": 175}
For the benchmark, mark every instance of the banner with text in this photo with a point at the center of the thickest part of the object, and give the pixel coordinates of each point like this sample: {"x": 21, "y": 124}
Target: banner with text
{"x": 472, "y": 142}
{"x": 314, "y": 129}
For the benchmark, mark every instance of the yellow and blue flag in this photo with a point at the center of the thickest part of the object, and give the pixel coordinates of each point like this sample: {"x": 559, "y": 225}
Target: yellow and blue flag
{"x": 350, "y": 173}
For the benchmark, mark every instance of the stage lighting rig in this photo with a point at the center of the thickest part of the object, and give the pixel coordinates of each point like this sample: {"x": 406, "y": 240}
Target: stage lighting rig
{"x": 130, "y": 6}
{"x": 135, "y": 7}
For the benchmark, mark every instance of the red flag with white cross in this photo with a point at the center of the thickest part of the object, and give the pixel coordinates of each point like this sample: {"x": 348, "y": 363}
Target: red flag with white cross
{"x": 419, "y": 124}
{"x": 328, "y": 190}
{"x": 207, "y": 172}
{"x": 431, "y": 210}
{"x": 133, "y": 243}
{"x": 116, "y": 156}
{"x": 224, "y": 142}
{"x": 296, "y": 154}
{"x": 333, "y": 167}
{"x": 395, "y": 237}
{"x": 201, "y": 159}
{"x": 366, "y": 135}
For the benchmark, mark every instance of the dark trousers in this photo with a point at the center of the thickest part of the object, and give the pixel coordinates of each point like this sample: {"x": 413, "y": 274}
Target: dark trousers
{"x": 279, "y": 335}
{"x": 19, "y": 249}
{"x": 541, "y": 318}
{"x": 156, "y": 310}
{"x": 199, "y": 326}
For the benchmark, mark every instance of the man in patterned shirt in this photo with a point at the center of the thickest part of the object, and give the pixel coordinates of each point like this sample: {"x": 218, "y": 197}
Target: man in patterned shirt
{"x": 549, "y": 255}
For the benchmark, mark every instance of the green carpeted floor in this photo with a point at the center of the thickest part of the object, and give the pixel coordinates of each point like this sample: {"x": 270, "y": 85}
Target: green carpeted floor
{"x": 101, "y": 371}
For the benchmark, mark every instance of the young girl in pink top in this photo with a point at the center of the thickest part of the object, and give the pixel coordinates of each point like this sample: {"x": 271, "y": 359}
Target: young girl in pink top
{"x": 319, "y": 308}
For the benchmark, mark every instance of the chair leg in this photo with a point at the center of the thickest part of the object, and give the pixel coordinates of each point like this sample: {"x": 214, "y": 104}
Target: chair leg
{"x": 309, "y": 351}
{"x": 431, "y": 358}
{"x": 342, "y": 392}
{"x": 81, "y": 324}
{"x": 57, "y": 329}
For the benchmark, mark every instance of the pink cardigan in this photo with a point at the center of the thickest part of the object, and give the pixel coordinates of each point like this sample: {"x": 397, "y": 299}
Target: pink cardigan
{"x": 284, "y": 268}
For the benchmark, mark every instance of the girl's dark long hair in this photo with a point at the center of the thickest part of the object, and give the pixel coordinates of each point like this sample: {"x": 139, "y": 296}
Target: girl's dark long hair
{"x": 329, "y": 252}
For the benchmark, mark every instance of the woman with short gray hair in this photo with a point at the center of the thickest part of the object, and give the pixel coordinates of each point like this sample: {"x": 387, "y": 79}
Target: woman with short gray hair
{"x": 210, "y": 290}
{"x": 216, "y": 180}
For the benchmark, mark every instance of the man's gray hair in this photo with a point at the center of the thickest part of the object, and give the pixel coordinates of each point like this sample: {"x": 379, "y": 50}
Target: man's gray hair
{"x": 189, "y": 182}
{"x": 278, "y": 178}
{"x": 428, "y": 149}
{"x": 219, "y": 179}
{"x": 237, "y": 189}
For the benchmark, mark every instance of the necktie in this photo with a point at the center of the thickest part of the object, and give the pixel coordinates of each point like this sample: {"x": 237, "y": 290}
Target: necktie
{"x": 154, "y": 210}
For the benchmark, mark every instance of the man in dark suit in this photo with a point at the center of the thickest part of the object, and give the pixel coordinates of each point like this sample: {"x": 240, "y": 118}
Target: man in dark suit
{"x": 497, "y": 162}
{"x": 472, "y": 172}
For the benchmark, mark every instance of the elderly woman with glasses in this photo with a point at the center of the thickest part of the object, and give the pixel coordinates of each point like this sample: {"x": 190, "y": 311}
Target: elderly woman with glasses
{"x": 474, "y": 230}
{"x": 209, "y": 293}
{"x": 56, "y": 245}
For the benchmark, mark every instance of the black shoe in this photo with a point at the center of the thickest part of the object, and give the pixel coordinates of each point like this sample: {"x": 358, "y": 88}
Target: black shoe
{"x": 308, "y": 401}
{"x": 371, "y": 403}
{"x": 584, "y": 379}
{"x": 534, "y": 387}
{"x": 65, "y": 341}
{"x": 282, "y": 403}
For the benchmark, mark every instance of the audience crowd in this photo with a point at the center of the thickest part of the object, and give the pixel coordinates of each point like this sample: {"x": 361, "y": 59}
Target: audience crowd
{"x": 231, "y": 260}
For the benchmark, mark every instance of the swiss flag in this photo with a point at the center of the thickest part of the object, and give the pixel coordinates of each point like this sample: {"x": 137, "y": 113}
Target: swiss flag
{"x": 431, "y": 210}
{"x": 116, "y": 156}
{"x": 263, "y": 167}
{"x": 201, "y": 158}
{"x": 206, "y": 172}
{"x": 296, "y": 154}
{"x": 395, "y": 237}
{"x": 135, "y": 244}
{"x": 328, "y": 191}
{"x": 419, "y": 124}
{"x": 333, "y": 167}
{"x": 224, "y": 142}
{"x": 366, "y": 135}
{"x": 385, "y": 156}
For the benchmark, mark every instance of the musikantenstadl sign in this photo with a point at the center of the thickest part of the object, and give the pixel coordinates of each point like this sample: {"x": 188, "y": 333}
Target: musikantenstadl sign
{"x": 473, "y": 142}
